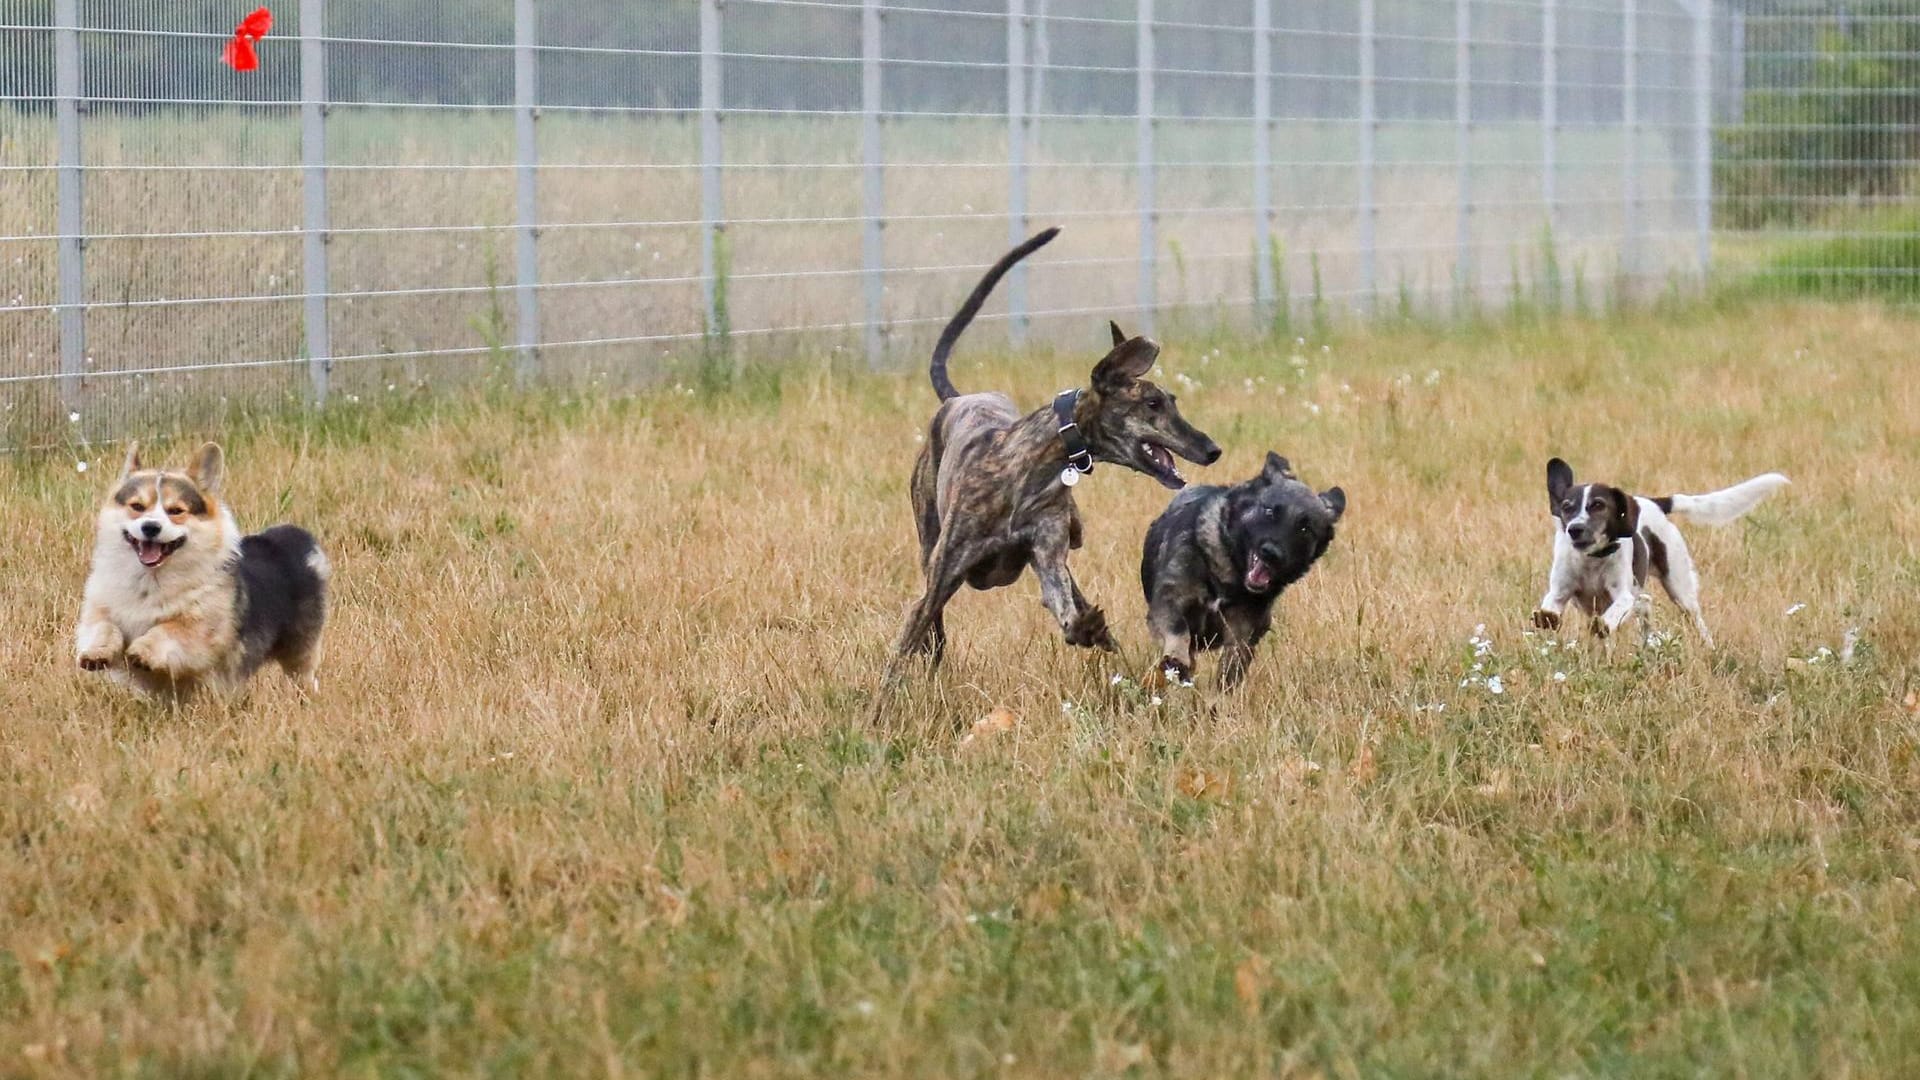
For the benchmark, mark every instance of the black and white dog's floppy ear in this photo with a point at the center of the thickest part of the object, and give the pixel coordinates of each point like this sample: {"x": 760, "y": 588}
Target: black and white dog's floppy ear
{"x": 1335, "y": 501}
{"x": 1129, "y": 360}
{"x": 1119, "y": 335}
{"x": 1559, "y": 479}
{"x": 1276, "y": 469}
{"x": 1626, "y": 514}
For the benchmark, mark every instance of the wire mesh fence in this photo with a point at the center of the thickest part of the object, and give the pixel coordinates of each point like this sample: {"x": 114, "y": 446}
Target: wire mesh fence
{"x": 418, "y": 194}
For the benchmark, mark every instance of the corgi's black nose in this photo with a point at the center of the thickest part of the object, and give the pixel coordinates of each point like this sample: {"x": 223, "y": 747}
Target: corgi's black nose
{"x": 149, "y": 529}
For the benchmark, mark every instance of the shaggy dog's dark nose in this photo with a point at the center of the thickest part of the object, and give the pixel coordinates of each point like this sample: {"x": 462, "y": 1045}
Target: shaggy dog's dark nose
{"x": 150, "y": 529}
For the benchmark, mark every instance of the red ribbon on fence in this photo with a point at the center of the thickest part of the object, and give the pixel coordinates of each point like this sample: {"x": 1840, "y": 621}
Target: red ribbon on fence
{"x": 240, "y": 54}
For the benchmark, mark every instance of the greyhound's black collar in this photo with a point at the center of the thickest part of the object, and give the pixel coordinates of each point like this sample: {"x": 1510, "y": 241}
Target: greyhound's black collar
{"x": 1079, "y": 458}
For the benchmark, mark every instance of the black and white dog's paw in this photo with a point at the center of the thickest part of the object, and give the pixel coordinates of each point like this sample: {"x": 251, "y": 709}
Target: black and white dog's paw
{"x": 1546, "y": 620}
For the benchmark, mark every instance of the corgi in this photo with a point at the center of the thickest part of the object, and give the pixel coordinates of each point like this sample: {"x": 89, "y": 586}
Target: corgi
{"x": 178, "y": 600}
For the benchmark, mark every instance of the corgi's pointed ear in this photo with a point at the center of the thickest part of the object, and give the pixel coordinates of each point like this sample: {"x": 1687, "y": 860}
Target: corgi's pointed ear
{"x": 1335, "y": 500}
{"x": 132, "y": 464}
{"x": 208, "y": 466}
{"x": 1119, "y": 335}
{"x": 1559, "y": 479}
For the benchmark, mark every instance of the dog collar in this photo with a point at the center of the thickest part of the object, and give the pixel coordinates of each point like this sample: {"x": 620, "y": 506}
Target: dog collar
{"x": 1079, "y": 458}
{"x": 1605, "y": 551}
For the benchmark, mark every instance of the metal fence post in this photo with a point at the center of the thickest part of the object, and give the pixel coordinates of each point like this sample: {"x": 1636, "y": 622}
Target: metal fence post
{"x": 314, "y": 223}
{"x": 1630, "y": 123}
{"x": 872, "y": 253}
{"x": 1549, "y": 110}
{"x": 1143, "y": 126}
{"x": 70, "y": 219}
{"x": 1703, "y": 133}
{"x": 1263, "y": 156}
{"x": 1463, "y": 147}
{"x": 526, "y": 158}
{"x": 1017, "y": 222}
{"x": 712, "y": 152}
{"x": 1369, "y": 130}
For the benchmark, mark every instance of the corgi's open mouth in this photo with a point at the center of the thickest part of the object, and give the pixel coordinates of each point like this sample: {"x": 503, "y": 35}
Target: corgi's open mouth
{"x": 152, "y": 553}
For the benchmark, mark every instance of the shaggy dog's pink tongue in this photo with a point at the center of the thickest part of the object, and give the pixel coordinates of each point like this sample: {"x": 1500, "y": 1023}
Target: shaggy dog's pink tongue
{"x": 1259, "y": 574}
{"x": 149, "y": 552}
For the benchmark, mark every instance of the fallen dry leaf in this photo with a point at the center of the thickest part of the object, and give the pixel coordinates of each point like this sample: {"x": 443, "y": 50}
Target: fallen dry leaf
{"x": 1198, "y": 783}
{"x": 1363, "y": 769}
{"x": 1299, "y": 771}
{"x": 1912, "y": 702}
{"x": 999, "y": 720}
{"x": 1249, "y": 979}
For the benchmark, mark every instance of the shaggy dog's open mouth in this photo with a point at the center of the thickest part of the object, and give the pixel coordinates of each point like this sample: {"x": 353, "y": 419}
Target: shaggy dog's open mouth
{"x": 152, "y": 553}
{"x": 1259, "y": 573}
{"x": 1160, "y": 466}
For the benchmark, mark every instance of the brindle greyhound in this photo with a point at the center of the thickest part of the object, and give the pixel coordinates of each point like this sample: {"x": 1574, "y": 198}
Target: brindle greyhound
{"x": 992, "y": 488}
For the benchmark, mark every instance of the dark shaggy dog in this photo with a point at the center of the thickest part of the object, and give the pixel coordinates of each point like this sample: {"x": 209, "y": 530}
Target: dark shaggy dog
{"x": 992, "y": 489}
{"x": 1219, "y": 557}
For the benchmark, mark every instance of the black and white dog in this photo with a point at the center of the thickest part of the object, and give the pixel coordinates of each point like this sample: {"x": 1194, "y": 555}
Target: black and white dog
{"x": 1605, "y": 542}
{"x": 1218, "y": 557}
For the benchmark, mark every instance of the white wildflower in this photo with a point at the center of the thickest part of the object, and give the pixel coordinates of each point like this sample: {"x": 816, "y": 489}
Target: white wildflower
{"x": 1495, "y": 686}
{"x": 1795, "y": 610}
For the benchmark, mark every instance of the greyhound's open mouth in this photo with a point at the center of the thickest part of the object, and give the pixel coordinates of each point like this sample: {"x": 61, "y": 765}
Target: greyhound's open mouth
{"x": 1259, "y": 573}
{"x": 152, "y": 553}
{"x": 1160, "y": 465}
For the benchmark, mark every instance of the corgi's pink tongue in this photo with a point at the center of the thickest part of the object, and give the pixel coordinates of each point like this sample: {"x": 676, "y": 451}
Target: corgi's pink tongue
{"x": 149, "y": 552}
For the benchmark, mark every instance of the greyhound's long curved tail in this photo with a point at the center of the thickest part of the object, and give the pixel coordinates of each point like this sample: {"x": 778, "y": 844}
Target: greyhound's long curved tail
{"x": 944, "y": 347}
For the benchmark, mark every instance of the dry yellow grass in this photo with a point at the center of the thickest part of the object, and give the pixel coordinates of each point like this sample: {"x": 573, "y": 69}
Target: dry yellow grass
{"x": 589, "y": 789}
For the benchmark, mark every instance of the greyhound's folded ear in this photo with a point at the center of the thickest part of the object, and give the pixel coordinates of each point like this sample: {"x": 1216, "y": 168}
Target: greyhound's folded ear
{"x": 1129, "y": 360}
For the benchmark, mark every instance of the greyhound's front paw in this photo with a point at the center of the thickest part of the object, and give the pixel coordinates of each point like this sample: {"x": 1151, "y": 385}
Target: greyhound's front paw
{"x": 1546, "y": 620}
{"x": 1089, "y": 630}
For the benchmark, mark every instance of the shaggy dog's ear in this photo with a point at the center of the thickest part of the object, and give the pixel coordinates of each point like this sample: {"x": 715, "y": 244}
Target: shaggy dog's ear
{"x": 207, "y": 467}
{"x": 1335, "y": 501}
{"x": 1559, "y": 479}
{"x": 1129, "y": 360}
{"x": 1277, "y": 468}
{"x": 1625, "y": 520}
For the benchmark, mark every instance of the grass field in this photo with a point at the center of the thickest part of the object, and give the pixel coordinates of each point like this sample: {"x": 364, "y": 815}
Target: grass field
{"x": 589, "y": 789}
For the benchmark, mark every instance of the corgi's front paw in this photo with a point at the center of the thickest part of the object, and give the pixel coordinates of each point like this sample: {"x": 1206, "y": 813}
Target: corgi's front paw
{"x": 158, "y": 653}
{"x": 100, "y": 647}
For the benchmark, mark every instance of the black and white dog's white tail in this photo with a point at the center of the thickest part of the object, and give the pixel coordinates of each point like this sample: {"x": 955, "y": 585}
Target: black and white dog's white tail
{"x": 1726, "y": 506}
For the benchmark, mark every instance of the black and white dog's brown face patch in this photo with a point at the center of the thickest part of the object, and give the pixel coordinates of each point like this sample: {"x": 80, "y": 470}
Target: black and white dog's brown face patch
{"x": 1592, "y": 515}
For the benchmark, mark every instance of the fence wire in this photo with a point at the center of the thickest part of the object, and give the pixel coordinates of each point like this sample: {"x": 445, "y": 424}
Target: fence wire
{"x": 407, "y": 195}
